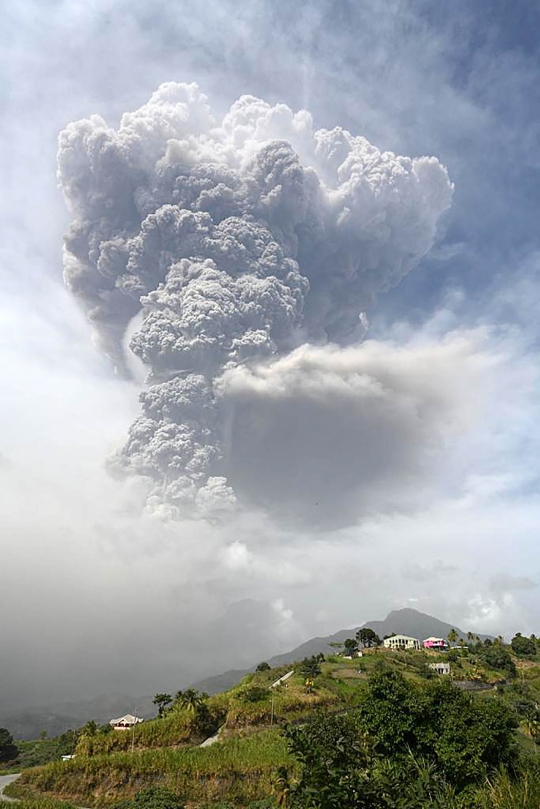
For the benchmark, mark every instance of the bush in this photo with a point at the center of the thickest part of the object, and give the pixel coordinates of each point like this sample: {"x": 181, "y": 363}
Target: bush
{"x": 152, "y": 798}
{"x": 522, "y": 646}
{"x": 464, "y": 738}
{"x": 8, "y": 748}
{"x": 497, "y": 657}
{"x": 254, "y": 693}
{"x": 309, "y": 667}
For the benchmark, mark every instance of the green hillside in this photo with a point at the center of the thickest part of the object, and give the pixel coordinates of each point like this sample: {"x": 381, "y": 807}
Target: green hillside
{"x": 258, "y": 755}
{"x": 407, "y": 621}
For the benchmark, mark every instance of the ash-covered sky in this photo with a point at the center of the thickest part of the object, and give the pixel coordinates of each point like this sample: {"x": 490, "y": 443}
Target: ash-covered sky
{"x": 291, "y": 380}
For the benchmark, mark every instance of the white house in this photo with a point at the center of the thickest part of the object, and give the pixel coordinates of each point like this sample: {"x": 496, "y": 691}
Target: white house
{"x": 125, "y": 722}
{"x": 354, "y": 655}
{"x": 440, "y": 668}
{"x": 397, "y": 642}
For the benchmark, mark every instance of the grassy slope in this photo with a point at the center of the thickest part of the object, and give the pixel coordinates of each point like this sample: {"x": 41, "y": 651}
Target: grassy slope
{"x": 239, "y": 769}
{"x": 242, "y": 766}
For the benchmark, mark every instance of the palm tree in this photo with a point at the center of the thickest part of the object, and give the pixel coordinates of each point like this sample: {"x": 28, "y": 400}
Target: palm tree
{"x": 191, "y": 700}
{"x": 452, "y": 636}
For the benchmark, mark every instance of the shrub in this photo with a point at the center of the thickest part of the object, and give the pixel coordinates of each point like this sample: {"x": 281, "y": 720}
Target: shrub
{"x": 8, "y": 748}
{"x": 522, "y": 646}
{"x": 464, "y": 738}
{"x": 497, "y": 657}
{"x": 152, "y": 798}
{"x": 254, "y": 693}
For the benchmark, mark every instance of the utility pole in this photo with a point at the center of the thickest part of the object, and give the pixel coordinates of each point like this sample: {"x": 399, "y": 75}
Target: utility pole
{"x": 133, "y": 733}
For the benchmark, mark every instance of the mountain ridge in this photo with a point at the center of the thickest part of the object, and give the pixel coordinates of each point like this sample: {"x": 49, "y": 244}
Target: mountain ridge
{"x": 405, "y": 621}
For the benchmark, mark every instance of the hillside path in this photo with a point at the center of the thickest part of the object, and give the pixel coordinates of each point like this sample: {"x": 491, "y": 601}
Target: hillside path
{"x": 4, "y": 781}
{"x": 282, "y": 679}
{"x": 213, "y": 739}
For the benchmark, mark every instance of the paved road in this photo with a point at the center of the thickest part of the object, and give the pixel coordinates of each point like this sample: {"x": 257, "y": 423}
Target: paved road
{"x": 4, "y": 781}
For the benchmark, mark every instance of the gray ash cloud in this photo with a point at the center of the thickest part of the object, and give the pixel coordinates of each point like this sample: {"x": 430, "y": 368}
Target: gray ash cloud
{"x": 235, "y": 242}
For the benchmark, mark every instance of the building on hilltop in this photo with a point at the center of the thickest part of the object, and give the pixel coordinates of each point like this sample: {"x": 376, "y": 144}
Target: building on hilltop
{"x": 440, "y": 668}
{"x": 125, "y": 722}
{"x": 437, "y": 644}
{"x": 397, "y": 642}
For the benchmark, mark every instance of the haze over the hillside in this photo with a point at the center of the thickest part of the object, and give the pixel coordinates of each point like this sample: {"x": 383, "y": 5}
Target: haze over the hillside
{"x": 292, "y": 379}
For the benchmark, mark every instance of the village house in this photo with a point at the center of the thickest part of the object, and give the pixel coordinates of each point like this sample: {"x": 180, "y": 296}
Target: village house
{"x": 398, "y": 642}
{"x": 440, "y": 668}
{"x": 437, "y": 644}
{"x": 125, "y": 722}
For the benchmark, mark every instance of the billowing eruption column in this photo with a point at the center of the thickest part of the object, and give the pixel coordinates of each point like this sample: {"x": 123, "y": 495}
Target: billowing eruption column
{"x": 234, "y": 243}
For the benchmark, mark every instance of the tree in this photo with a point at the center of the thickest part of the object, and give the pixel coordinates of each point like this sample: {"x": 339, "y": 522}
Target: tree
{"x": 67, "y": 742}
{"x": 264, "y": 666}
{"x": 162, "y": 701}
{"x": 333, "y": 760}
{"x": 523, "y": 646}
{"x": 350, "y": 647}
{"x": 498, "y": 657}
{"x": 90, "y": 729}
{"x": 472, "y": 737}
{"x": 453, "y": 636}
{"x": 310, "y": 668}
{"x": 340, "y": 770}
{"x": 190, "y": 699}
{"x": 367, "y": 637}
{"x": 8, "y": 748}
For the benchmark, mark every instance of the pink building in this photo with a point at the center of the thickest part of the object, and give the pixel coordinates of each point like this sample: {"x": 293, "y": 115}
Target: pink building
{"x": 437, "y": 644}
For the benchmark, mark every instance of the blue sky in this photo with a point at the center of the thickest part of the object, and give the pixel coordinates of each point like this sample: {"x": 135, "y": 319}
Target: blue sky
{"x": 456, "y": 80}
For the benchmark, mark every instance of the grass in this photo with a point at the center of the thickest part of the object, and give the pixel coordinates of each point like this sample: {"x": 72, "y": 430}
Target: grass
{"x": 242, "y": 767}
{"x": 238, "y": 769}
{"x": 33, "y": 754}
{"x": 503, "y": 792}
{"x": 43, "y": 802}
{"x": 176, "y": 729}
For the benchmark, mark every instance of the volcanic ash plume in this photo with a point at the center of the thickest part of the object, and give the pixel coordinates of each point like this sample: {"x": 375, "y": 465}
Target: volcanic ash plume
{"x": 234, "y": 243}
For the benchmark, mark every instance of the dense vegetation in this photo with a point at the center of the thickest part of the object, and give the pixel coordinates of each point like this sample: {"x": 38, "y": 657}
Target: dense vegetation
{"x": 377, "y": 731}
{"x": 8, "y": 748}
